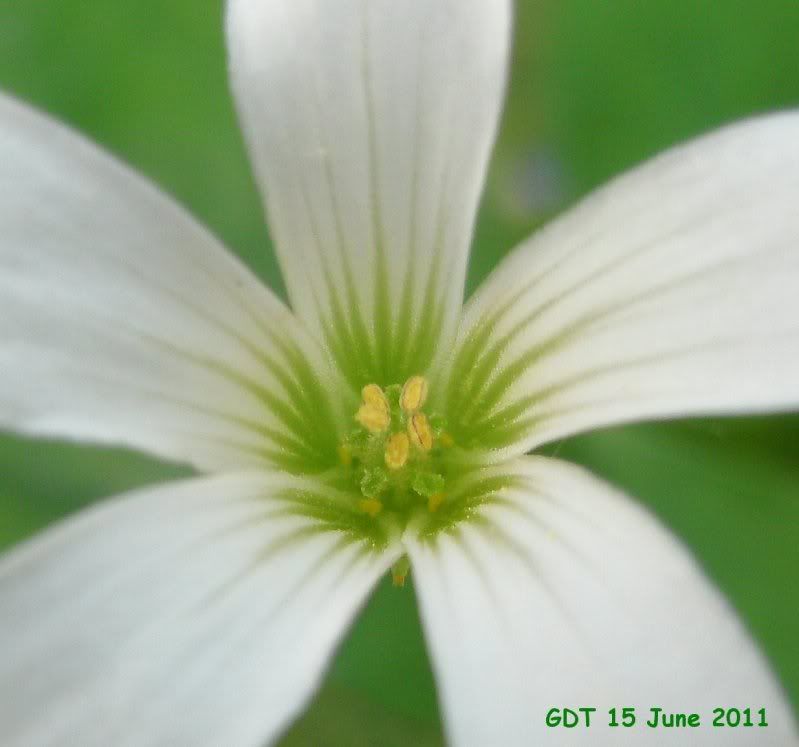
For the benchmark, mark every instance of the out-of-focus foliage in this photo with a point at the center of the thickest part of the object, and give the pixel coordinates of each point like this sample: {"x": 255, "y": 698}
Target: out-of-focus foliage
{"x": 595, "y": 88}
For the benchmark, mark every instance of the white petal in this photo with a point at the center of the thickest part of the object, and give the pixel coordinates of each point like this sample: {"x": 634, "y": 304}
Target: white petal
{"x": 370, "y": 125}
{"x": 123, "y": 320}
{"x": 672, "y": 292}
{"x": 563, "y": 593}
{"x": 200, "y": 613}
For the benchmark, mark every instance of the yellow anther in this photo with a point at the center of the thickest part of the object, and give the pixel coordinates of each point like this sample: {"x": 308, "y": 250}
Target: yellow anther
{"x": 414, "y": 393}
{"x": 373, "y": 419}
{"x": 446, "y": 440}
{"x": 434, "y": 502}
{"x": 397, "y": 450}
{"x": 370, "y": 506}
{"x": 420, "y": 432}
{"x": 373, "y": 395}
{"x": 345, "y": 455}
{"x": 374, "y": 413}
{"x": 399, "y": 571}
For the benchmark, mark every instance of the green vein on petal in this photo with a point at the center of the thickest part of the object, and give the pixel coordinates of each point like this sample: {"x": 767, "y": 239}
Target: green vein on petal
{"x": 428, "y": 324}
{"x": 474, "y": 400}
{"x": 382, "y": 296}
{"x": 269, "y": 552}
{"x": 310, "y": 392}
{"x": 462, "y": 504}
{"x": 382, "y": 320}
{"x": 334, "y": 511}
{"x": 404, "y": 321}
{"x": 299, "y": 403}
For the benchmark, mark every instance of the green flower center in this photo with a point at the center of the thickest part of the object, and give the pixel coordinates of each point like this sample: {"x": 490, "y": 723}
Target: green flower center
{"x": 396, "y": 454}
{"x": 397, "y": 469}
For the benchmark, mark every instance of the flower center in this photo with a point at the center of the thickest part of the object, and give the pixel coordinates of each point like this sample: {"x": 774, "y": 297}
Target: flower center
{"x": 395, "y": 453}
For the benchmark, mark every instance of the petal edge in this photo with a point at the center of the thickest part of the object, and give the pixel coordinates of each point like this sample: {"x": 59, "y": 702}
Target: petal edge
{"x": 566, "y": 594}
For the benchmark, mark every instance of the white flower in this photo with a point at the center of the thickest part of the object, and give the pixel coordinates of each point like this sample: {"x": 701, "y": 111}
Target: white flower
{"x": 203, "y": 612}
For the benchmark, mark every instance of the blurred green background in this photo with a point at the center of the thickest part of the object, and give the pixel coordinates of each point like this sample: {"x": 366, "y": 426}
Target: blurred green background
{"x": 595, "y": 88}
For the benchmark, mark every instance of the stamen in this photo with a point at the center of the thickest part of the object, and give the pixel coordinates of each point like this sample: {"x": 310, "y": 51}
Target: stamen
{"x": 399, "y": 571}
{"x": 414, "y": 394}
{"x": 373, "y": 395}
{"x": 420, "y": 432}
{"x": 372, "y": 418}
{"x": 374, "y": 414}
{"x": 392, "y": 459}
{"x": 434, "y": 502}
{"x": 371, "y": 506}
{"x": 345, "y": 455}
{"x": 397, "y": 449}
